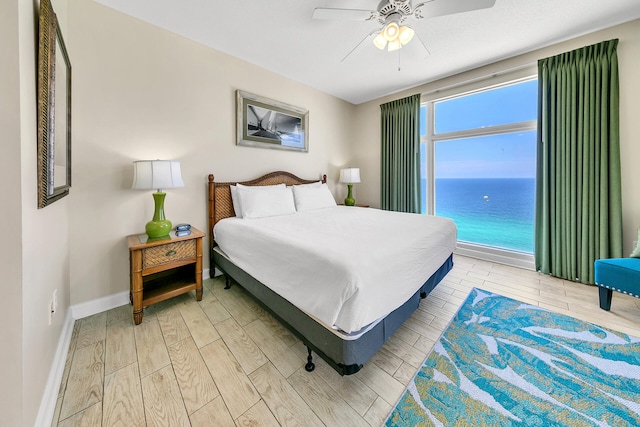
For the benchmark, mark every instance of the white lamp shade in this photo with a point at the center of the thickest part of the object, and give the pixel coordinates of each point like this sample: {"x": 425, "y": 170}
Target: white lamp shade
{"x": 393, "y": 36}
{"x": 391, "y": 31}
{"x": 379, "y": 41}
{"x": 406, "y": 34}
{"x": 394, "y": 45}
{"x": 156, "y": 174}
{"x": 350, "y": 175}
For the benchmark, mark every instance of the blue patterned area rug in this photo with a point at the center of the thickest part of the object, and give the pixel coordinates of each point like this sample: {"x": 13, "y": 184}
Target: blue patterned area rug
{"x": 502, "y": 362}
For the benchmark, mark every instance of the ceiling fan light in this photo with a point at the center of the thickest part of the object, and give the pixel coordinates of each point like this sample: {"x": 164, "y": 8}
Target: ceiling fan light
{"x": 394, "y": 45}
{"x": 391, "y": 31}
{"x": 379, "y": 41}
{"x": 406, "y": 34}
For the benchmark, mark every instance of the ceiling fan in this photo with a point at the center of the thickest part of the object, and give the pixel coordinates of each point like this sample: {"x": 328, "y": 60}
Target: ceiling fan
{"x": 393, "y": 14}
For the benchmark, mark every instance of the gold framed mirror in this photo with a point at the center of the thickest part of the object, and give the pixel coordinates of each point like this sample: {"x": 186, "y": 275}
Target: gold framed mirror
{"x": 54, "y": 110}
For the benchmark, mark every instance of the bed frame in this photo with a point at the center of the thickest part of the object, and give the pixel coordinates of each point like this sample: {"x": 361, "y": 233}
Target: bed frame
{"x": 346, "y": 356}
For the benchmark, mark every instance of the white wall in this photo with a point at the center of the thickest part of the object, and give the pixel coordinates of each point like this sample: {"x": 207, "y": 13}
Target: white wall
{"x": 367, "y": 119}
{"x": 35, "y": 251}
{"x": 45, "y": 262}
{"x": 145, "y": 93}
{"x": 11, "y": 248}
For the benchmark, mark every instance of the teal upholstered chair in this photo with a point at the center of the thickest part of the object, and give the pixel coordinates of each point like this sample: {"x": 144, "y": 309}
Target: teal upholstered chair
{"x": 617, "y": 274}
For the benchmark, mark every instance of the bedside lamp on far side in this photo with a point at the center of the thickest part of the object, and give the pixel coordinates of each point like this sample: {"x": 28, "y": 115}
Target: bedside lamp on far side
{"x": 350, "y": 176}
{"x": 157, "y": 175}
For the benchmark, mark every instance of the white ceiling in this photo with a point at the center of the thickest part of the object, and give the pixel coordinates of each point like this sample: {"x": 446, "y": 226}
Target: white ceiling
{"x": 280, "y": 35}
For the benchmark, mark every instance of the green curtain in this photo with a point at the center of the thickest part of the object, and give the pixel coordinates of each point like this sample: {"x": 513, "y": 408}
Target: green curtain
{"x": 578, "y": 190}
{"x": 400, "y": 159}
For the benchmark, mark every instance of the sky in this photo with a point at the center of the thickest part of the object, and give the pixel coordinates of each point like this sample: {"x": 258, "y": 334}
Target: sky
{"x": 501, "y": 156}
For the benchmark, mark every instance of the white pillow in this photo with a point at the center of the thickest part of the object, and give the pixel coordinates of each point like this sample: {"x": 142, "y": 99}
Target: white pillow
{"x": 237, "y": 207}
{"x": 264, "y": 203}
{"x": 311, "y": 184}
{"x": 312, "y": 197}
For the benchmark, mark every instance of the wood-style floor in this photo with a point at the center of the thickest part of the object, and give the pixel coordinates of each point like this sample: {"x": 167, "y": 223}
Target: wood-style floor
{"x": 225, "y": 362}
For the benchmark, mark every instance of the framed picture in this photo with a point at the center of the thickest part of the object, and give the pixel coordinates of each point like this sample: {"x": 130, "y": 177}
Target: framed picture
{"x": 265, "y": 123}
{"x": 54, "y": 110}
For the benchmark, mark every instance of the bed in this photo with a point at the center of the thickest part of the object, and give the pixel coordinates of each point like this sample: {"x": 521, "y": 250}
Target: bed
{"x": 342, "y": 306}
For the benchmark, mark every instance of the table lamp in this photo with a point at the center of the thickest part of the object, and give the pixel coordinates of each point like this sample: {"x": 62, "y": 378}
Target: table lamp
{"x": 158, "y": 175}
{"x": 350, "y": 176}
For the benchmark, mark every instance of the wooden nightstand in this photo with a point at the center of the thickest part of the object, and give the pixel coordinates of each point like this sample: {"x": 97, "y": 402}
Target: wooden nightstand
{"x": 163, "y": 268}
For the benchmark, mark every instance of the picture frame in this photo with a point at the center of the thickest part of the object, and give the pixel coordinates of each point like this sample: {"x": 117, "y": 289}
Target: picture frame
{"x": 265, "y": 123}
{"x": 54, "y": 110}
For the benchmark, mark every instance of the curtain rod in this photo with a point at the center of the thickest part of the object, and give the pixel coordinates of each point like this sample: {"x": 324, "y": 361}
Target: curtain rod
{"x": 480, "y": 78}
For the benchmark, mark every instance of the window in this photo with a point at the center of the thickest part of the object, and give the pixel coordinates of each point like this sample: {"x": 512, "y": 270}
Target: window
{"x": 478, "y": 164}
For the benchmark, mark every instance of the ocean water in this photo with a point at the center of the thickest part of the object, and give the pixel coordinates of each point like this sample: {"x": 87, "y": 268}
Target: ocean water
{"x": 492, "y": 211}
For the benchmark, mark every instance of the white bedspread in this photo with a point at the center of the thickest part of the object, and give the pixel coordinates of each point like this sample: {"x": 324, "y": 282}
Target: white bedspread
{"x": 346, "y": 266}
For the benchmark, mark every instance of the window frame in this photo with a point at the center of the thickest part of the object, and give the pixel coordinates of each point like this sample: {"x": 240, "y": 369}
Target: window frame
{"x": 430, "y": 138}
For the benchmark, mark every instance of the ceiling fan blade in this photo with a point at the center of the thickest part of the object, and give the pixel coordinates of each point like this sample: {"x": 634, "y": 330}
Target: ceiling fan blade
{"x": 342, "y": 14}
{"x": 358, "y": 45}
{"x": 449, "y": 7}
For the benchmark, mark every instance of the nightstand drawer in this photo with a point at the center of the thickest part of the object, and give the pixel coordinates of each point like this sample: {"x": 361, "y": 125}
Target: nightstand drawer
{"x": 164, "y": 254}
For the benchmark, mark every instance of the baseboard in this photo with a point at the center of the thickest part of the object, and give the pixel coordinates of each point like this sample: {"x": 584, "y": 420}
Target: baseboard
{"x": 75, "y": 312}
{"x": 99, "y": 305}
{"x": 500, "y": 256}
{"x": 50, "y": 395}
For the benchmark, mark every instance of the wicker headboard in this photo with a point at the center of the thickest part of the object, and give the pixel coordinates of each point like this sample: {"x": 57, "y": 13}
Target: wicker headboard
{"x": 221, "y": 206}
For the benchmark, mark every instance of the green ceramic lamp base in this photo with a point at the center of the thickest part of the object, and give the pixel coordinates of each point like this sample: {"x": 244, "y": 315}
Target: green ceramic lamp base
{"x": 158, "y": 226}
{"x": 349, "y": 201}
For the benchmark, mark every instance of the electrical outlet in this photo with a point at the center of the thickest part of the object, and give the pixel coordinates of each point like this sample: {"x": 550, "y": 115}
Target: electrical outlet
{"x": 54, "y": 306}
{"x": 50, "y": 312}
